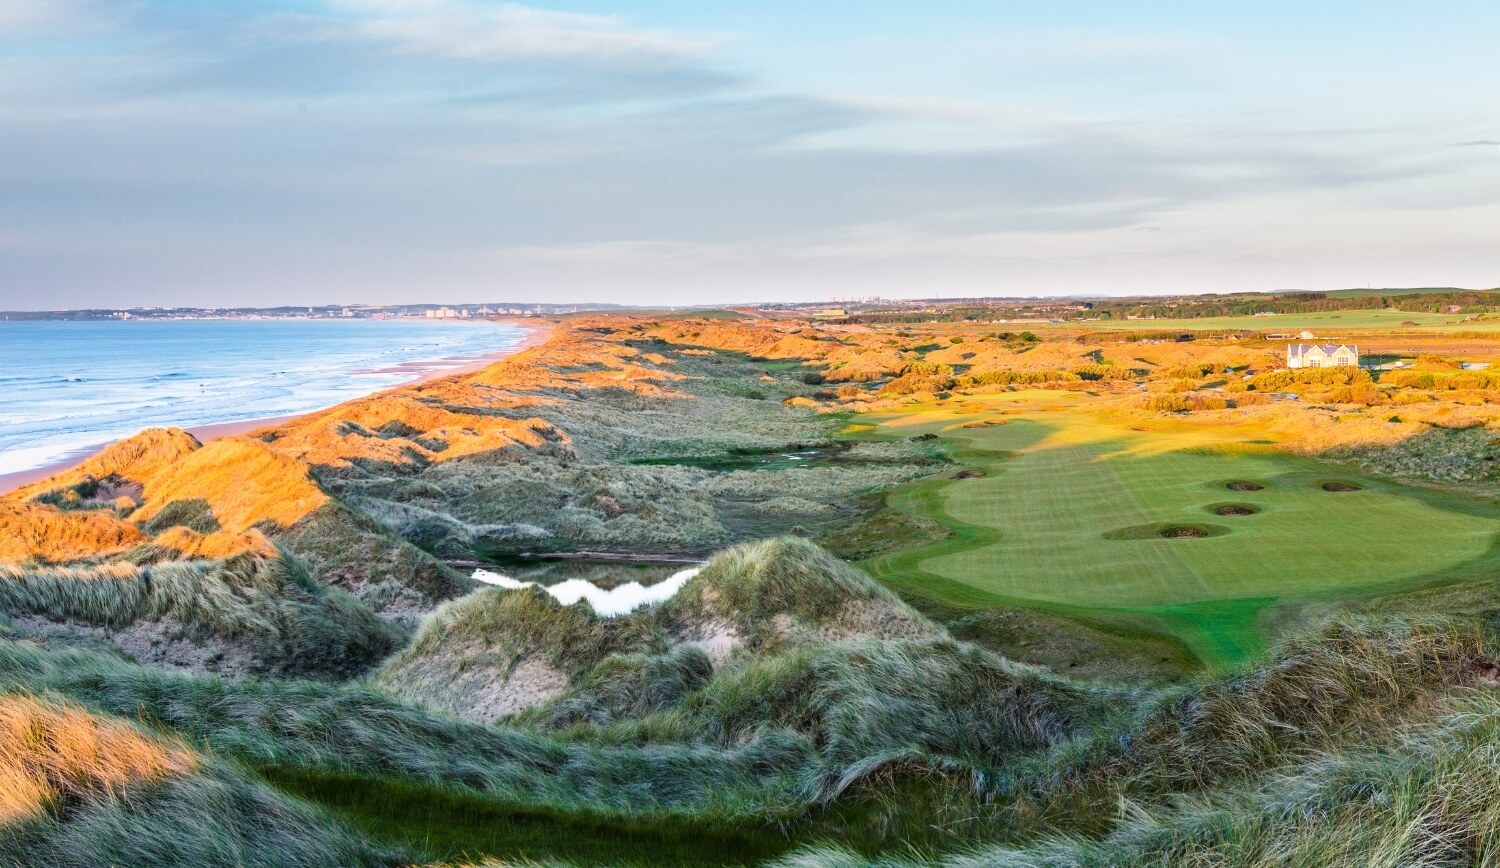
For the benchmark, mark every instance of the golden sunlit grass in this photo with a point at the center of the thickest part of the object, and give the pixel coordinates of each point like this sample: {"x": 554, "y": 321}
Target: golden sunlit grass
{"x": 399, "y": 430}
{"x": 136, "y": 458}
{"x": 219, "y": 545}
{"x": 53, "y": 751}
{"x": 244, "y": 482}
{"x": 33, "y": 531}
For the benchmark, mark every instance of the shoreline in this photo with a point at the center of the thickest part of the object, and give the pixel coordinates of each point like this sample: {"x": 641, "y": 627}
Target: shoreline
{"x": 422, "y": 371}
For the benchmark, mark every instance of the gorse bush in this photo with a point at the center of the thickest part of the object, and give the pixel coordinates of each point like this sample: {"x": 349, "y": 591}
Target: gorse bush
{"x": 1194, "y": 371}
{"x": 1097, "y": 372}
{"x": 1293, "y": 380}
{"x": 921, "y": 377}
{"x": 1356, "y": 393}
{"x": 1454, "y": 381}
{"x": 1017, "y": 378}
{"x": 1185, "y": 402}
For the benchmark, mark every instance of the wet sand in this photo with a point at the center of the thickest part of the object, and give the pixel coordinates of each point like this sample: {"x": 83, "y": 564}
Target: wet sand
{"x": 421, "y": 371}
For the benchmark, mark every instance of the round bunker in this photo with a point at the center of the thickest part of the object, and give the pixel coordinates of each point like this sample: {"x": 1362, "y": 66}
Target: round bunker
{"x": 970, "y": 474}
{"x": 1233, "y": 509}
{"x": 1244, "y": 485}
{"x": 1340, "y": 485}
{"x": 1167, "y": 530}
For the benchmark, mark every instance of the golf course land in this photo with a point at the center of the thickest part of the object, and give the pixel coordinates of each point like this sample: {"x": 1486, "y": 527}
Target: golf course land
{"x": 946, "y": 594}
{"x": 1190, "y": 531}
{"x": 1294, "y": 322}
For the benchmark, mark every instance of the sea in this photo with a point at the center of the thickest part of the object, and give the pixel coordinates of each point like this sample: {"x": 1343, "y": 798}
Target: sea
{"x": 67, "y": 388}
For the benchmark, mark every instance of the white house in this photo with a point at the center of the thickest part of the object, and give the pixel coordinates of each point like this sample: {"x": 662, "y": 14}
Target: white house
{"x": 1321, "y": 356}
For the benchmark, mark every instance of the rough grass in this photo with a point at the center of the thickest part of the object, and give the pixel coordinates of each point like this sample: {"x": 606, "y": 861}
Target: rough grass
{"x": 82, "y": 789}
{"x": 51, "y": 752}
{"x": 33, "y": 532}
{"x": 866, "y": 741}
{"x": 789, "y": 590}
{"x": 364, "y": 731}
{"x": 1429, "y": 798}
{"x": 267, "y": 604}
{"x": 446, "y": 822}
{"x": 467, "y": 658}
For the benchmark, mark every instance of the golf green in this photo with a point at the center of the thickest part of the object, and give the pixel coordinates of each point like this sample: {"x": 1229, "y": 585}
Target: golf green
{"x": 1076, "y": 514}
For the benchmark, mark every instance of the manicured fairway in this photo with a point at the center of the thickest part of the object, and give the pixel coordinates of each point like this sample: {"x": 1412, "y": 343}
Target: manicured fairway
{"x": 1339, "y": 319}
{"x": 1071, "y": 511}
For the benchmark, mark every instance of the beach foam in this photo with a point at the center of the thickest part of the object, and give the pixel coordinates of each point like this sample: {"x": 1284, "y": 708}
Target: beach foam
{"x": 72, "y": 387}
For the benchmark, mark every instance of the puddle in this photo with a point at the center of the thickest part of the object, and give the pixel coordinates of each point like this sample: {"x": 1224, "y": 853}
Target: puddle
{"x": 606, "y": 573}
{"x": 815, "y": 457}
{"x": 620, "y": 599}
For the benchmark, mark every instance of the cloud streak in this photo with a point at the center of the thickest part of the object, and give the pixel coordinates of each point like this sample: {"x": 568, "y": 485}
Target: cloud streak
{"x": 487, "y": 33}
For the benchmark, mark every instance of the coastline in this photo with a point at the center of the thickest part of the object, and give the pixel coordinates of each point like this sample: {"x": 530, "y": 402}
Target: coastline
{"x": 422, "y": 371}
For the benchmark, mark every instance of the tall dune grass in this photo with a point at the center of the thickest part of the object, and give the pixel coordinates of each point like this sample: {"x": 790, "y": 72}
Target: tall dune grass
{"x": 293, "y": 624}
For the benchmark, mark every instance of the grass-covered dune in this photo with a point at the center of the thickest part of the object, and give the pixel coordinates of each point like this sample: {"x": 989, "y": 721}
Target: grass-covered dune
{"x": 498, "y": 651}
{"x": 569, "y": 446}
{"x": 249, "y": 613}
{"x": 80, "y": 788}
{"x": 495, "y": 652}
{"x": 868, "y": 743}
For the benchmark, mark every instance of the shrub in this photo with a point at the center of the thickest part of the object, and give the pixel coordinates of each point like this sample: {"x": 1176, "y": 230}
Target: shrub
{"x": 1180, "y": 402}
{"x": 1194, "y": 371}
{"x": 1098, "y": 372}
{"x": 1017, "y": 378}
{"x": 1356, "y": 393}
{"x": 1291, "y": 380}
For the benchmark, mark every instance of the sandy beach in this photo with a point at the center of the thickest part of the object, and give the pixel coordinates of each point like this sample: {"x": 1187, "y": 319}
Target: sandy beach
{"x": 421, "y": 371}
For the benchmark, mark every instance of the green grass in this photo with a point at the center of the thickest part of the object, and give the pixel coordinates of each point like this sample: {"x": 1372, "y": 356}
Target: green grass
{"x": 1290, "y": 322}
{"x": 1065, "y": 519}
{"x": 444, "y": 823}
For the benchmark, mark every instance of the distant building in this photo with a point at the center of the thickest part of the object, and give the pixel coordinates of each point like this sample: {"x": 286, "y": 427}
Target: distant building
{"x": 1321, "y": 356}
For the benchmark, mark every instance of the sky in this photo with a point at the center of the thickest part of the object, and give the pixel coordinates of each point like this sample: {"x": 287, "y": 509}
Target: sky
{"x": 379, "y": 151}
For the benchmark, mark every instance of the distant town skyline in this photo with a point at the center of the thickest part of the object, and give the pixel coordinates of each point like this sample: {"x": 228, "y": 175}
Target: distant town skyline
{"x": 672, "y": 153}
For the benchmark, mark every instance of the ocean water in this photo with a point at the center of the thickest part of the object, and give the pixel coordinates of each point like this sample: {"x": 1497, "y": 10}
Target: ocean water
{"x": 66, "y": 387}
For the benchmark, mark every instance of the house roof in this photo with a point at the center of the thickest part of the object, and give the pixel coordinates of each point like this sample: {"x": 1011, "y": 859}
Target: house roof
{"x": 1328, "y": 349}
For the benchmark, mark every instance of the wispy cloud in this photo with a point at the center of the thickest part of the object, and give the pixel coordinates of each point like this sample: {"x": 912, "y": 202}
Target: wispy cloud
{"x": 1478, "y": 143}
{"x": 481, "y": 32}
{"x": 23, "y": 16}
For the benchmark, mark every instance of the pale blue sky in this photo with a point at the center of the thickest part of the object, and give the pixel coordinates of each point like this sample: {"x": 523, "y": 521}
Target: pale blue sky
{"x": 667, "y": 152}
